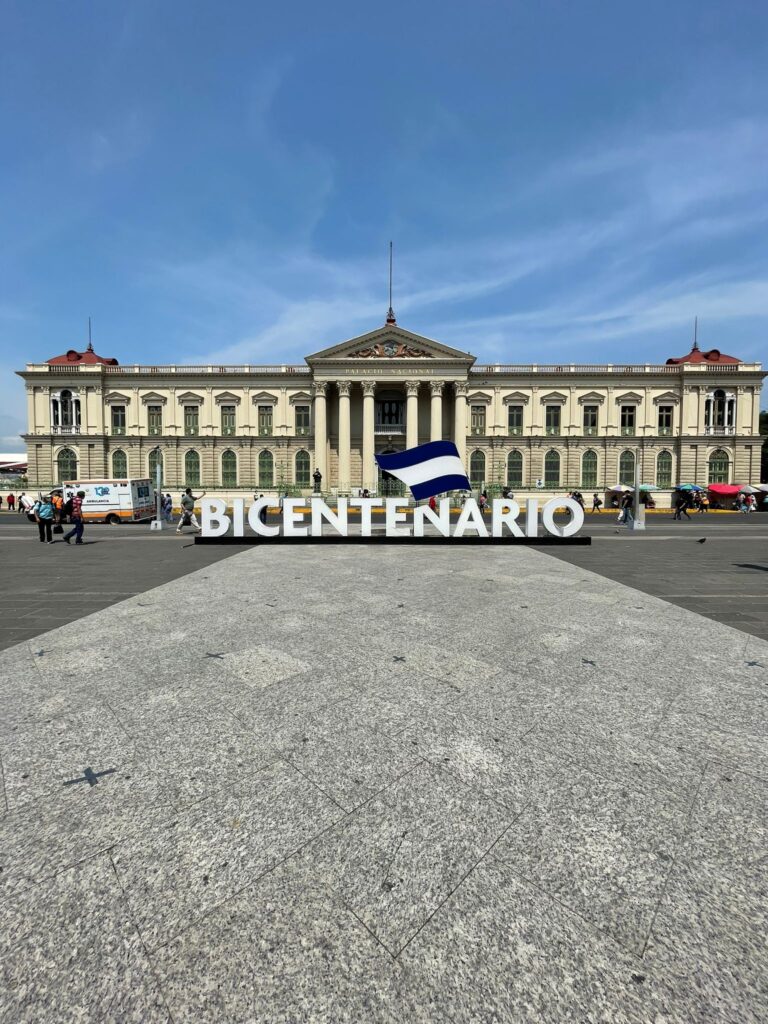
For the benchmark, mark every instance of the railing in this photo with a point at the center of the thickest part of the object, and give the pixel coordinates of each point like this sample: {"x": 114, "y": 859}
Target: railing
{"x": 590, "y": 432}
{"x": 483, "y": 369}
{"x": 719, "y": 431}
{"x": 553, "y": 431}
{"x": 627, "y": 431}
{"x": 56, "y": 429}
{"x": 268, "y": 370}
{"x": 383, "y": 429}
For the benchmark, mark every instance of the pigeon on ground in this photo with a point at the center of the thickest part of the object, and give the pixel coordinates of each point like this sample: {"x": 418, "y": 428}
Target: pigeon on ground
{"x": 702, "y": 541}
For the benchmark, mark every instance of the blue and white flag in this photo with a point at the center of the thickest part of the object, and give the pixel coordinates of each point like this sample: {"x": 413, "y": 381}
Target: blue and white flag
{"x": 428, "y": 469}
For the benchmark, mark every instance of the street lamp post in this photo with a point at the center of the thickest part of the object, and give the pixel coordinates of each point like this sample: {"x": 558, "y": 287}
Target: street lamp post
{"x": 638, "y": 523}
{"x": 157, "y": 522}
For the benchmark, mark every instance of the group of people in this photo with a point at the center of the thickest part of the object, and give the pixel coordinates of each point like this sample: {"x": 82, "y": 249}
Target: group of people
{"x": 51, "y": 512}
{"x": 22, "y": 503}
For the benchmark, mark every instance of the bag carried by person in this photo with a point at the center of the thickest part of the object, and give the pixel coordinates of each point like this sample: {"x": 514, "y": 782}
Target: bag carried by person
{"x": 58, "y": 528}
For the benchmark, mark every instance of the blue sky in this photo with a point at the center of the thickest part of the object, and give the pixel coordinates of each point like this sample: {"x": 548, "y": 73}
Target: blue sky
{"x": 220, "y": 182}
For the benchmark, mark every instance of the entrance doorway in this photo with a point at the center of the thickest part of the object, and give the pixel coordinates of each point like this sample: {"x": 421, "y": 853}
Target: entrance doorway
{"x": 388, "y": 485}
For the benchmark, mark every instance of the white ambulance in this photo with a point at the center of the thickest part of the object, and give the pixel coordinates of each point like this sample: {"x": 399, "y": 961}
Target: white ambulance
{"x": 113, "y": 501}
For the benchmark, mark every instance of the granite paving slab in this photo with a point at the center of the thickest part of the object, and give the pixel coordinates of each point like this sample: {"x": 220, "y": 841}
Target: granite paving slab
{"x": 70, "y": 951}
{"x": 602, "y": 849}
{"x": 285, "y": 950}
{"x": 178, "y": 871}
{"x": 397, "y": 857}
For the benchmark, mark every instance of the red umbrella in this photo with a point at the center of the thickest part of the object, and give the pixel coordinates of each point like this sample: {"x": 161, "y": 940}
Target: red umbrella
{"x": 727, "y": 490}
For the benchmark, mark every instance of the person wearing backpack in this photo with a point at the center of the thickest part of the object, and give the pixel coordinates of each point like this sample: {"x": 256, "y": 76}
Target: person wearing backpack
{"x": 43, "y": 512}
{"x": 76, "y": 518}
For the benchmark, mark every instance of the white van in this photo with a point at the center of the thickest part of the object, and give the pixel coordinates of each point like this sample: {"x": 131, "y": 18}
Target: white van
{"x": 113, "y": 501}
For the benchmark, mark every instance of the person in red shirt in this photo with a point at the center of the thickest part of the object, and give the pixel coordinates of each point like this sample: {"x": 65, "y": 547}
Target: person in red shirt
{"x": 76, "y": 517}
{"x": 11, "y": 502}
{"x": 432, "y": 503}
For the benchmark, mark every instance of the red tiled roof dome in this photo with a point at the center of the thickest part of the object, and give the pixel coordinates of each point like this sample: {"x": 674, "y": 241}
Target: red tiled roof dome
{"x": 697, "y": 356}
{"x": 87, "y": 358}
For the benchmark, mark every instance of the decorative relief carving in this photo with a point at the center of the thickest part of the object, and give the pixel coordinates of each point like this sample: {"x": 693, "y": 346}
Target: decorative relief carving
{"x": 369, "y": 387}
{"x": 460, "y": 388}
{"x": 412, "y": 387}
{"x": 391, "y": 350}
{"x": 344, "y": 386}
{"x": 436, "y": 387}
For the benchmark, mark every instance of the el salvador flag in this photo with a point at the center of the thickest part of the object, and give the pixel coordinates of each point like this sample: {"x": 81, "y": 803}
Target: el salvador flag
{"x": 428, "y": 469}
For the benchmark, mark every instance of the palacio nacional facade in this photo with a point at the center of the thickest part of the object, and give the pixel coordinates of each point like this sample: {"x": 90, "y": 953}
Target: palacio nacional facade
{"x": 549, "y": 428}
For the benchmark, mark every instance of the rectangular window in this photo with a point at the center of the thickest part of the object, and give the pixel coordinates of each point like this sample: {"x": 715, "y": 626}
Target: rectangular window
{"x": 155, "y": 419}
{"x": 228, "y": 427}
{"x": 627, "y": 421}
{"x": 118, "y": 419}
{"x": 665, "y": 420}
{"x": 590, "y": 420}
{"x": 302, "y": 420}
{"x": 265, "y": 420}
{"x": 515, "y": 419}
{"x": 553, "y": 419}
{"x": 478, "y": 419}
{"x": 191, "y": 421}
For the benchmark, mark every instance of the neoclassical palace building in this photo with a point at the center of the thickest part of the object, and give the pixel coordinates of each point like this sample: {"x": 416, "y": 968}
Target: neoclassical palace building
{"x": 267, "y": 428}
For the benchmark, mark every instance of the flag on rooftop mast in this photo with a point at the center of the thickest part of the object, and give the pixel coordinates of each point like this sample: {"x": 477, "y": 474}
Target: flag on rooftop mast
{"x": 390, "y": 311}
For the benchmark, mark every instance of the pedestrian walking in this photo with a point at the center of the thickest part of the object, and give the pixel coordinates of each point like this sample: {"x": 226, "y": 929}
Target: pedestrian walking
{"x": 703, "y": 503}
{"x": 44, "y": 513}
{"x": 681, "y": 508}
{"x": 579, "y": 497}
{"x": 167, "y": 508}
{"x": 22, "y": 502}
{"x": 1, "y": 503}
{"x": 188, "y": 517}
{"x": 11, "y": 502}
{"x": 482, "y": 501}
{"x": 627, "y": 502}
{"x": 76, "y": 518}
{"x": 596, "y": 503}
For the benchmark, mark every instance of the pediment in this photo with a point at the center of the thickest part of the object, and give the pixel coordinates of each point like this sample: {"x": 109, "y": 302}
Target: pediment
{"x": 227, "y": 398}
{"x": 152, "y": 398}
{"x": 391, "y": 343}
{"x": 668, "y": 398}
{"x": 115, "y": 398}
{"x": 554, "y": 398}
{"x": 300, "y": 396}
{"x": 264, "y": 398}
{"x": 592, "y": 397}
{"x": 631, "y": 397}
{"x": 515, "y": 398}
{"x": 190, "y": 398}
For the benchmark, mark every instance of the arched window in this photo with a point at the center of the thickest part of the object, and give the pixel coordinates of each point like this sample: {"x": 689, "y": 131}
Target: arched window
{"x": 119, "y": 464}
{"x": 155, "y": 459}
{"x": 302, "y": 469}
{"x": 65, "y": 407}
{"x": 477, "y": 469}
{"x": 552, "y": 469}
{"x": 664, "y": 469}
{"x": 627, "y": 469}
{"x": 718, "y": 409}
{"x": 589, "y": 470}
{"x": 719, "y": 467}
{"x": 266, "y": 469}
{"x": 228, "y": 469}
{"x": 515, "y": 469}
{"x": 192, "y": 468}
{"x": 66, "y": 462}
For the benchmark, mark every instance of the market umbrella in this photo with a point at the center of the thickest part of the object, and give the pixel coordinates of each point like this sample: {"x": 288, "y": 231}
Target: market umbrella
{"x": 749, "y": 489}
{"x": 648, "y": 487}
{"x": 619, "y": 488}
{"x": 688, "y": 487}
{"x": 762, "y": 487}
{"x": 727, "y": 490}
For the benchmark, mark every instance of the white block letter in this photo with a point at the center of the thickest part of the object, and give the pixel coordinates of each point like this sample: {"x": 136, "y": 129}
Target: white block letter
{"x": 441, "y": 520}
{"x": 256, "y": 524}
{"x": 292, "y": 518}
{"x": 471, "y": 518}
{"x": 392, "y": 517}
{"x": 532, "y": 517}
{"x": 571, "y": 527}
{"x": 320, "y": 511}
{"x": 505, "y": 513}
{"x": 365, "y": 505}
{"x": 238, "y": 516}
{"x": 213, "y": 511}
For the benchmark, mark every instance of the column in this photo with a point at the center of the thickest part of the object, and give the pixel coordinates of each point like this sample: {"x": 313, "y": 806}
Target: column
{"x": 460, "y": 420}
{"x": 369, "y": 470}
{"x": 321, "y": 431}
{"x": 344, "y": 436}
{"x": 436, "y": 418}
{"x": 412, "y": 413}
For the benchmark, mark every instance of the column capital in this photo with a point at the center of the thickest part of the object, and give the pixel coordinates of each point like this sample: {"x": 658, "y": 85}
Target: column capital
{"x": 460, "y": 388}
{"x": 344, "y": 386}
{"x": 412, "y": 387}
{"x": 436, "y": 386}
{"x": 369, "y": 387}
{"x": 319, "y": 388}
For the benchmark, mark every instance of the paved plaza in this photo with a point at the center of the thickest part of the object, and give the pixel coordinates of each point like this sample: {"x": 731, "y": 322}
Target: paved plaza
{"x": 455, "y": 784}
